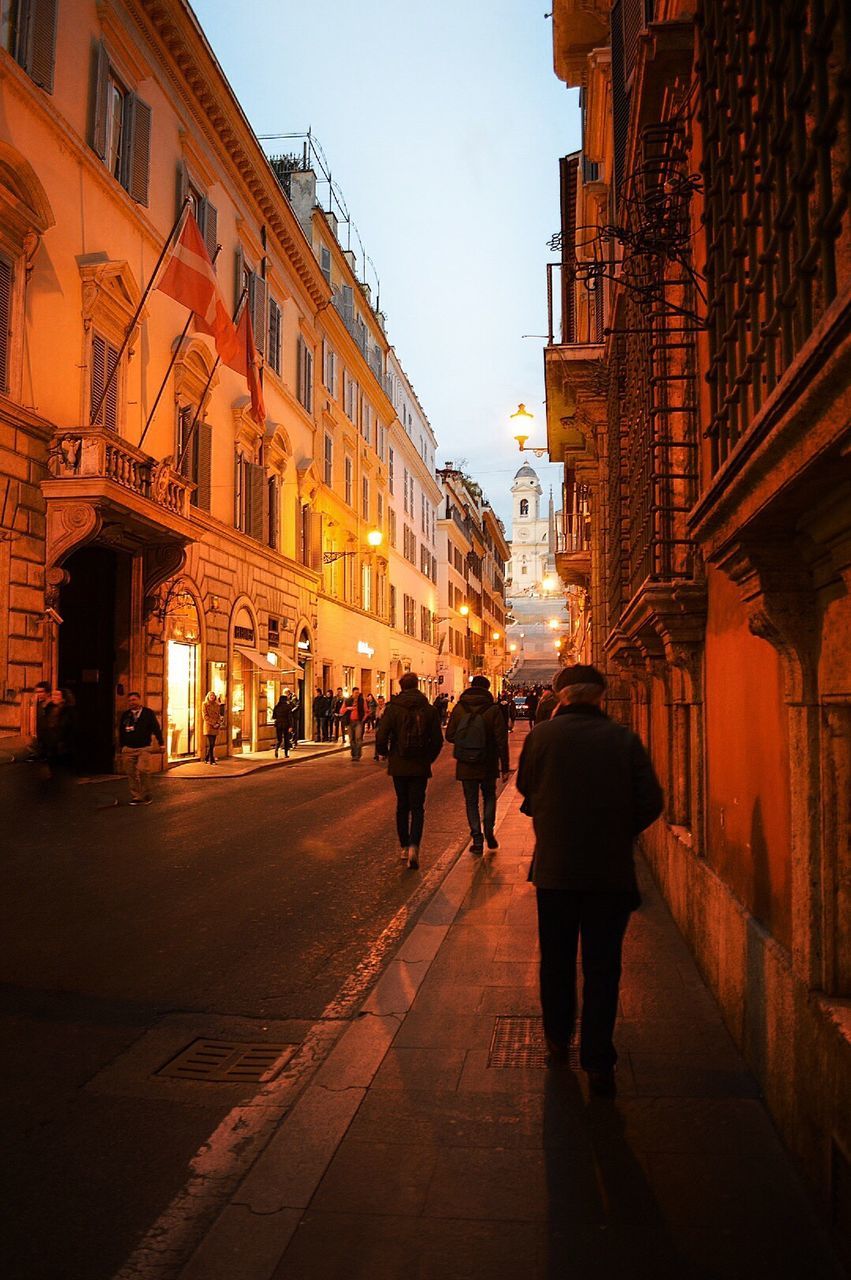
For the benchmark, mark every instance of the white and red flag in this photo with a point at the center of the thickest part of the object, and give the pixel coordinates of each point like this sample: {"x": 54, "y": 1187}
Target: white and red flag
{"x": 248, "y": 365}
{"x": 189, "y": 278}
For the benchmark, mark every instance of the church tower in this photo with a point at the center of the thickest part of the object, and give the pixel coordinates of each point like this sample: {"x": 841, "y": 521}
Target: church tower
{"x": 526, "y": 493}
{"x": 529, "y": 533}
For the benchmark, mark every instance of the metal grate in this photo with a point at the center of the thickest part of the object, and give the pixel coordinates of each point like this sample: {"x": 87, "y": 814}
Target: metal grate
{"x": 519, "y": 1042}
{"x": 226, "y": 1061}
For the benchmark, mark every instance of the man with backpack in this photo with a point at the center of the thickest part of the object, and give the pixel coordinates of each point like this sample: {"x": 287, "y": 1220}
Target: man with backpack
{"x": 409, "y": 735}
{"x": 478, "y": 730}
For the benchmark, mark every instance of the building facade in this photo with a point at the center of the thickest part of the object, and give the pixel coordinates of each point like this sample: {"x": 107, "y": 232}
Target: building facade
{"x": 153, "y": 535}
{"x": 533, "y": 535}
{"x": 698, "y": 395}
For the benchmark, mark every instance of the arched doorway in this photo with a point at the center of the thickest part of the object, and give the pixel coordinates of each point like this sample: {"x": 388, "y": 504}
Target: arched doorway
{"x": 183, "y": 641}
{"x": 243, "y": 719}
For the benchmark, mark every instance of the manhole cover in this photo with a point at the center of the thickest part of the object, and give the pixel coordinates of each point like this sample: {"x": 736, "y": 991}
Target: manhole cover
{"x": 519, "y": 1042}
{"x": 226, "y": 1061}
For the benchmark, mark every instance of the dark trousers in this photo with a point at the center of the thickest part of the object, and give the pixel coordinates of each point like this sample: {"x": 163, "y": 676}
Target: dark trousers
{"x": 487, "y": 786}
{"x": 599, "y": 921}
{"x": 410, "y": 809}
{"x": 282, "y": 738}
{"x": 210, "y": 749}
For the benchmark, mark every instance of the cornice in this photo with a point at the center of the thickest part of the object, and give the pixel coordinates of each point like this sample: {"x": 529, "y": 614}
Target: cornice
{"x": 179, "y": 34}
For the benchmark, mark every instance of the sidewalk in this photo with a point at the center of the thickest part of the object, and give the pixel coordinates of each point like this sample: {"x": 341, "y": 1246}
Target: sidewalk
{"x": 252, "y": 761}
{"x": 412, "y": 1155}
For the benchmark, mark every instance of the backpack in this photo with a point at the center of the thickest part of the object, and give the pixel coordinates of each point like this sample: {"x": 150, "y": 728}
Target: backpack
{"x": 414, "y": 736}
{"x": 471, "y": 739}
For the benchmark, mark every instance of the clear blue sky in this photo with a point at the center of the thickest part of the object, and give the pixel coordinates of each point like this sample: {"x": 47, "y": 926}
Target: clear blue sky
{"x": 443, "y": 125}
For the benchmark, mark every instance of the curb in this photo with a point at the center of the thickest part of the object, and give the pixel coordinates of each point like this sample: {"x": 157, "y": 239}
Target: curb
{"x": 257, "y": 767}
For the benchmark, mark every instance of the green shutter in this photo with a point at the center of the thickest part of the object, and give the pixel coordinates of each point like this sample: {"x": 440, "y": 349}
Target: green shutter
{"x": 100, "y": 82}
{"x": 203, "y": 492}
{"x": 136, "y": 160}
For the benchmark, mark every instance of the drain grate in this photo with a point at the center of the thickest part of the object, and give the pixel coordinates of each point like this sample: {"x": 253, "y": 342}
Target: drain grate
{"x": 226, "y": 1061}
{"x": 519, "y": 1042}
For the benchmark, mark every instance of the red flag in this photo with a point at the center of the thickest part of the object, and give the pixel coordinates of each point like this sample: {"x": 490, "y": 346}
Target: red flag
{"x": 188, "y": 277}
{"x": 249, "y": 366}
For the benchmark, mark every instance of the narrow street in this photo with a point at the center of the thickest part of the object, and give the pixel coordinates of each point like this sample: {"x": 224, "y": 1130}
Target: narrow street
{"x": 234, "y": 908}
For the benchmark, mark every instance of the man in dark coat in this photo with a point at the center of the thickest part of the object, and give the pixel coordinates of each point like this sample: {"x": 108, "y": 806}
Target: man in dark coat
{"x": 590, "y": 787}
{"x": 137, "y": 729}
{"x": 479, "y": 775}
{"x": 320, "y": 705}
{"x": 409, "y": 734}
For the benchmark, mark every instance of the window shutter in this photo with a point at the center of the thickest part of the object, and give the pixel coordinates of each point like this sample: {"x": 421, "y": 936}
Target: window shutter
{"x": 100, "y": 80}
{"x": 5, "y": 321}
{"x": 40, "y": 53}
{"x": 273, "y": 512}
{"x": 315, "y": 533}
{"x": 211, "y": 229}
{"x": 137, "y": 151}
{"x": 97, "y": 371}
{"x": 348, "y": 306}
{"x": 240, "y": 275}
{"x": 110, "y": 404}
{"x": 203, "y": 492}
{"x": 256, "y": 481}
{"x": 182, "y": 184}
{"x": 258, "y": 317}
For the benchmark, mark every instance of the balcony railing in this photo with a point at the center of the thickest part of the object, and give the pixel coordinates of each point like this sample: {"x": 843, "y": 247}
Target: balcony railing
{"x": 97, "y": 454}
{"x": 575, "y": 304}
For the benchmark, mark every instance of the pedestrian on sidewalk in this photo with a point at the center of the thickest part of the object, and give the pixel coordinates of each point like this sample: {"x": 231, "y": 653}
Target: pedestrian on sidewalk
{"x": 478, "y": 731}
{"x": 380, "y": 707}
{"x": 590, "y": 788}
{"x": 355, "y": 717}
{"x": 328, "y": 718}
{"x": 137, "y": 729}
{"x": 409, "y": 735}
{"x": 549, "y": 698}
{"x": 338, "y": 715}
{"x": 319, "y": 707}
{"x": 282, "y": 716}
{"x": 211, "y": 713}
{"x": 57, "y": 740}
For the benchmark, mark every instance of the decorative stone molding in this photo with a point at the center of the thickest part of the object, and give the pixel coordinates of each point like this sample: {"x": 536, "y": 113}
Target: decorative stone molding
{"x": 159, "y": 564}
{"x": 308, "y": 480}
{"x": 70, "y": 524}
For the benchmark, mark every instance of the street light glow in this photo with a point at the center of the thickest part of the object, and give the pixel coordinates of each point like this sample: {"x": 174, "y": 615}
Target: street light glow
{"x": 549, "y": 582}
{"x": 375, "y": 537}
{"x": 464, "y": 610}
{"x": 553, "y": 623}
{"x": 495, "y": 635}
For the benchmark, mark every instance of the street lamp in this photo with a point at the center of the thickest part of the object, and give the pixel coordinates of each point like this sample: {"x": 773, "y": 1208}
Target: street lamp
{"x": 464, "y": 610}
{"x": 553, "y": 624}
{"x": 495, "y": 635}
{"x": 548, "y": 582}
{"x": 374, "y": 539}
{"x": 522, "y": 421}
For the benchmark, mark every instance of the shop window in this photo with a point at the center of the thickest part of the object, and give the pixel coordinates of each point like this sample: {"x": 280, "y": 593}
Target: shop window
{"x": 121, "y": 128}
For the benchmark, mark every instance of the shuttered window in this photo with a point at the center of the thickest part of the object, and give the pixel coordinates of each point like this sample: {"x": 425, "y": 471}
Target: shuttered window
{"x": 250, "y": 498}
{"x": 120, "y": 131}
{"x": 194, "y": 455}
{"x": 329, "y": 460}
{"x": 304, "y": 375}
{"x": 103, "y": 362}
{"x": 205, "y": 213}
{"x": 274, "y": 352}
{"x": 31, "y": 39}
{"x": 6, "y": 278}
{"x": 252, "y": 285}
{"x": 273, "y": 512}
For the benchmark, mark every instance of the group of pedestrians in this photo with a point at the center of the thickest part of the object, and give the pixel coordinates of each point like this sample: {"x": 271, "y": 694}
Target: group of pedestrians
{"x": 332, "y": 715}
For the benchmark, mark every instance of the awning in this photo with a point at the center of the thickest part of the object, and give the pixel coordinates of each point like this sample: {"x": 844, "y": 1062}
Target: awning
{"x": 259, "y": 660}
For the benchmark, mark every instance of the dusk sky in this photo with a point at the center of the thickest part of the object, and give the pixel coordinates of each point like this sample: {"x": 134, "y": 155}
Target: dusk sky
{"x": 443, "y": 125}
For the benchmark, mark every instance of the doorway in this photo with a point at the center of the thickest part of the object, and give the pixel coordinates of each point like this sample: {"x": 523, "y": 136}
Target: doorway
{"x": 88, "y": 641}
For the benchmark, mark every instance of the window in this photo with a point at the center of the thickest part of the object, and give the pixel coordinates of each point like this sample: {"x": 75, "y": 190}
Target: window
{"x": 364, "y": 504}
{"x": 392, "y": 618}
{"x": 392, "y": 520}
{"x": 325, "y": 262}
{"x": 423, "y": 514}
{"x": 405, "y": 479}
{"x": 381, "y": 442}
{"x": 304, "y": 375}
{"x": 249, "y": 483}
{"x": 409, "y": 608}
{"x": 426, "y": 625}
{"x": 348, "y": 480}
{"x": 274, "y": 353}
{"x": 121, "y": 128}
{"x": 329, "y": 368}
{"x": 193, "y": 454}
{"x": 410, "y": 545}
{"x": 273, "y": 521}
{"x": 251, "y": 285}
{"x": 329, "y": 460}
{"x": 350, "y": 390}
{"x": 524, "y": 506}
{"x": 379, "y": 510}
{"x": 366, "y": 419}
{"x": 366, "y": 587}
{"x": 29, "y": 34}
{"x": 103, "y": 368}
{"x": 6, "y": 281}
{"x": 390, "y": 470}
{"x": 205, "y": 214}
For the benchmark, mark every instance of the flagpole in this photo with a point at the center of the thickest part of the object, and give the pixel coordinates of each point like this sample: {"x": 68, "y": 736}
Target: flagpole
{"x": 218, "y": 360}
{"x": 175, "y": 353}
{"x": 95, "y": 413}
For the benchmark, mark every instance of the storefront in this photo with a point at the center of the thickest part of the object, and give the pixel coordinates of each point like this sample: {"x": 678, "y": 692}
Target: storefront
{"x": 183, "y": 636}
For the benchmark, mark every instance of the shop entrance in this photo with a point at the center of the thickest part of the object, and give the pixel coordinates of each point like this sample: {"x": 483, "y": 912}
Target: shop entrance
{"x": 183, "y": 633}
{"x": 88, "y": 645}
{"x": 243, "y": 687}
{"x": 304, "y": 676}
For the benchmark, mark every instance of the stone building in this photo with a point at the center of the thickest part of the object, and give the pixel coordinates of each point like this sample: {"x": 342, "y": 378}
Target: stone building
{"x": 697, "y": 380}
{"x": 533, "y": 535}
{"x": 153, "y": 535}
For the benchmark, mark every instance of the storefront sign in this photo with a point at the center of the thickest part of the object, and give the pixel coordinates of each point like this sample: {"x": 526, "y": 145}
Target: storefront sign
{"x": 364, "y": 648}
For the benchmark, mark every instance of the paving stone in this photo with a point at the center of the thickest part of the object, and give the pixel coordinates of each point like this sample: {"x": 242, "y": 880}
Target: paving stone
{"x": 376, "y": 1177}
{"x": 448, "y": 1026}
{"x": 242, "y": 1245}
{"x": 519, "y": 1001}
{"x": 404, "y": 1069}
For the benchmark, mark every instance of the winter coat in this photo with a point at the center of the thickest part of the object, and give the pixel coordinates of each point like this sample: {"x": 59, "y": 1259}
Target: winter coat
{"x": 591, "y": 789}
{"x": 282, "y": 713}
{"x": 320, "y": 706}
{"x": 481, "y": 702}
{"x": 139, "y": 732}
{"x": 546, "y": 706}
{"x": 349, "y": 706}
{"x": 389, "y": 736}
{"x": 57, "y": 732}
{"x": 212, "y": 715}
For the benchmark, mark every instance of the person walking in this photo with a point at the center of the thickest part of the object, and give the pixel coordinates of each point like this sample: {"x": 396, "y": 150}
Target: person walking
{"x": 478, "y": 731}
{"x": 57, "y": 732}
{"x": 532, "y": 699}
{"x": 319, "y": 706}
{"x": 282, "y": 715}
{"x": 409, "y": 735}
{"x": 355, "y": 716}
{"x": 211, "y": 713}
{"x": 137, "y": 729}
{"x": 328, "y": 717}
{"x": 339, "y": 704}
{"x": 590, "y": 788}
{"x": 380, "y": 707}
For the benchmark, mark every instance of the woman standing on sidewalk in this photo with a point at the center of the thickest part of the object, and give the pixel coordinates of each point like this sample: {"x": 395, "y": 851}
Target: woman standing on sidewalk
{"x": 212, "y": 714}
